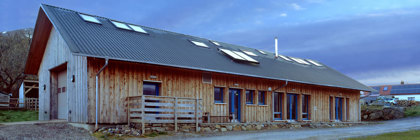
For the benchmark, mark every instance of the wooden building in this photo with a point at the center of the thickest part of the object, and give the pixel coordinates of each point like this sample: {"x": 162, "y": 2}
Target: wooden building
{"x": 69, "y": 49}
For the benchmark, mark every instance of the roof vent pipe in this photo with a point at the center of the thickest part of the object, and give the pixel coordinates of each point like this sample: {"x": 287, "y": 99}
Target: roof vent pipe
{"x": 276, "y": 47}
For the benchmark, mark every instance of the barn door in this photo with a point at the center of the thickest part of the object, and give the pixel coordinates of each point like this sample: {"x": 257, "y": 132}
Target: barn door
{"x": 62, "y": 95}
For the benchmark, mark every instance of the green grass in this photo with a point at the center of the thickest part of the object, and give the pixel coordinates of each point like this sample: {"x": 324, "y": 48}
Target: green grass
{"x": 407, "y": 135}
{"x": 412, "y": 111}
{"x": 17, "y": 116}
{"x": 372, "y": 107}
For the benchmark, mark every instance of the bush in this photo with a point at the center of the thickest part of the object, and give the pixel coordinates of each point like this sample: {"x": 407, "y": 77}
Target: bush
{"x": 412, "y": 111}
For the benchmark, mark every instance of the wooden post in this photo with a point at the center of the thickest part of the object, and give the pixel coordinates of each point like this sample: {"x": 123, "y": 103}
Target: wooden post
{"x": 196, "y": 115}
{"x": 176, "y": 114}
{"x": 128, "y": 111}
{"x": 142, "y": 115}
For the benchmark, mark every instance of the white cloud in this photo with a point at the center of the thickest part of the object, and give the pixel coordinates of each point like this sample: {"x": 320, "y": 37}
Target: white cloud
{"x": 283, "y": 14}
{"x": 392, "y": 76}
{"x": 296, "y": 6}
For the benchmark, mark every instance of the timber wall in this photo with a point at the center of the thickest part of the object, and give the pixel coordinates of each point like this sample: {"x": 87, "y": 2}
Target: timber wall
{"x": 122, "y": 79}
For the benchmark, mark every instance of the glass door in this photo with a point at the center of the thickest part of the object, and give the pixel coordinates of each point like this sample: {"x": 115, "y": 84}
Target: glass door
{"x": 278, "y": 100}
{"x": 338, "y": 108}
{"x": 235, "y": 103}
{"x": 292, "y": 107}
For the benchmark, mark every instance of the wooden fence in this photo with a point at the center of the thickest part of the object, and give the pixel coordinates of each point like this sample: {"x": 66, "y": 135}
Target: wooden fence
{"x": 16, "y": 103}
{"x": 163, "y": 109}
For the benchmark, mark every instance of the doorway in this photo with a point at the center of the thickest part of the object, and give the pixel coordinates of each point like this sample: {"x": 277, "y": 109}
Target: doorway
{"x": 62, "y": 94}
{"x": 338, "y": 108}
{"x": 235, "y": 104}
{"x": 278, "y": 105}
{"x": 292, "y": 106}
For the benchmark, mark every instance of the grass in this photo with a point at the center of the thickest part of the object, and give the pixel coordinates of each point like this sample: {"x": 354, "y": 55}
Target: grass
{"x": 412, "y": 111}
{"x": 17, "y": 115}
{"x": 103, "y": 136}
{"x": 407, "y": 135}
{"x": 371, "y": 107}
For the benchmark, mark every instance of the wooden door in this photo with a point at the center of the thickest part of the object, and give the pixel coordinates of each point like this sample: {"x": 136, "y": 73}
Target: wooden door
{"x": 62, "y": 95}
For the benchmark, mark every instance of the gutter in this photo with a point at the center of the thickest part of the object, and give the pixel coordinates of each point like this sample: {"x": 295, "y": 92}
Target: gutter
{"x": 96, "y": 94}
{"x": 285, "y": 84}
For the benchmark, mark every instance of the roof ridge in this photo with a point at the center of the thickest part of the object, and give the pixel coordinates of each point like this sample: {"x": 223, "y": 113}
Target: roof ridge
{"x": 163, "y": 30}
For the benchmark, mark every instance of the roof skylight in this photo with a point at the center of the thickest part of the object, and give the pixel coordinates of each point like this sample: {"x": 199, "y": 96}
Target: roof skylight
{"x": 215, "y": 43}
{"x": 201, "y": 44}
{"x": 137, "y": 28}
{"x": 120, "y": 25}
{"x": 89, "y": 18}
{"x": 314, "y": 62}
{"x": 246, "y": 57}
{"x": 231, "y": 54}
{"x": 284, "y": 57}
{"x": 301, "y": 61}
{"x": 249, "y": 53}
{"x": 261, "y": 52}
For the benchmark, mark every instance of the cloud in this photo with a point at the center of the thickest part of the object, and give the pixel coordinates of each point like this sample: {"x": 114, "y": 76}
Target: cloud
{"x": 283, "y": 14}
{"x": 391, "y": 76}
{"x": 296, "y": 6}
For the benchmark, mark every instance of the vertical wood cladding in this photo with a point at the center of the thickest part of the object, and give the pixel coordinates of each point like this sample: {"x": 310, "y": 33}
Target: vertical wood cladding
{"x": 122, "y": 79}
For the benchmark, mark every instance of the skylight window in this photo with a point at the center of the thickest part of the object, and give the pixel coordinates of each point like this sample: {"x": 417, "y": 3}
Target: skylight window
{"x": 231, "y": 54}
{"x": 301, "y": 61}
{"x": 137, "y": 29}
{"x": 89, "y": 18}
{"x": 314, "y": 62}
{"x": 285, "y": 58}
{"x": 215, "y": 43}
{"x": 201, "y": 44}
{"x": 261, "y": 52}
{"x": 246, "y": 57}
{"x": 120, "y": 25}
{"x": 249, "y": 53}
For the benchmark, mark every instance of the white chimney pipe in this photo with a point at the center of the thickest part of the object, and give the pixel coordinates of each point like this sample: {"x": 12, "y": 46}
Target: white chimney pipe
{"x": 276, "y": 47}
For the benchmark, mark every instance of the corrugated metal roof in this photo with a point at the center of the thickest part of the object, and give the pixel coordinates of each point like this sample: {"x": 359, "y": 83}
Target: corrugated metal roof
{"x": 174, "y": 49}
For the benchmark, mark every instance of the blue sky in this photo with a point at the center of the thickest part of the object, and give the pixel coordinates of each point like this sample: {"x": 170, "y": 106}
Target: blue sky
{"x": 373, "y": 41}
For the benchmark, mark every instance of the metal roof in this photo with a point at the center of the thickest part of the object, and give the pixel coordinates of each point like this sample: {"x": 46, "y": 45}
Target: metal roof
{"x": 174, "y": 49}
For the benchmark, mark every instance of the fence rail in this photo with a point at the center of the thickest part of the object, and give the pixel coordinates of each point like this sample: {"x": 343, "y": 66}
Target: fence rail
{"x": 16, "y": 103}
{"x": 164, "y": 109}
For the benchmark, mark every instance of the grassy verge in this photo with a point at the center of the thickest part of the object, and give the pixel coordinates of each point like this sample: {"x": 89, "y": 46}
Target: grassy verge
{"x": 372, "y": 107}
{"x": 103, "y": 136}
{"x": 17, "y": 116}
{"x": 408, "y": 135}
{"x": 412, "y": 111}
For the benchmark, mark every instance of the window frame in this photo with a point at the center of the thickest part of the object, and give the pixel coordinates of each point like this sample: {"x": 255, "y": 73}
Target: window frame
{"x": 221, "y": 95}
{"x": 264, "y": 95}
{"x": 251, "y": 94}
{"x": 306, "y": 104}
{"x": 157, "y": 88}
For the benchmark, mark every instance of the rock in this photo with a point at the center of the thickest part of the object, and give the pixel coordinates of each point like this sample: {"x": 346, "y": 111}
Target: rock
{"x": 243, "y": 128}
{"x": 198, "y": 129}
{"x": 217, "y": 126}
{"x": 237, "y": 128}
{"x": 216, "y": 130}
{"x": 258, "y": 127}
{"x": 223, "y": 129}
{"x": 249, "y": 127}
{"x": 365, "y": 117}
{"x": 185, "y": 130}
{"x": 206, "y": 129}
{"x": 229, "y": 127}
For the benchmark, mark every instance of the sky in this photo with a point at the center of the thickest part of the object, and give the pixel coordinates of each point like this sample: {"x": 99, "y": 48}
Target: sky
{"x": 373, "y": 41}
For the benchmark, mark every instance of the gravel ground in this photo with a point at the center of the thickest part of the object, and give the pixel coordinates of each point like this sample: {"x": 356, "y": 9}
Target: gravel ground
{"x": 56, "y": 131}
{"x": 306, "y": 133}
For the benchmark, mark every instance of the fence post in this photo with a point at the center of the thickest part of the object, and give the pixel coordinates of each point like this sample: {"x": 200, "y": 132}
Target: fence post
{"x": 176, "y": 114}
{"x": 128, "y": 112}
{"x": 196, "y": 115}
{"x": 142, "y": 115}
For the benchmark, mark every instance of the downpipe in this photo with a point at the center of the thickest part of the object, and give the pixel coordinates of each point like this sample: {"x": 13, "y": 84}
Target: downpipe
{"x": 96, "y": 94}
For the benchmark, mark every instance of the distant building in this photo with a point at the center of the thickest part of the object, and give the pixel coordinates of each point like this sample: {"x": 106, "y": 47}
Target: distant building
{"x": 401, "y": 91}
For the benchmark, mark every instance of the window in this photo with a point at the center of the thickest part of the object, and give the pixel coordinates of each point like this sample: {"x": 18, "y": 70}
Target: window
{"x": 284, "y": 57}
{"x": 236, "y": 55}
{"x": 151, "y": 88}
{"x": 206, "y": 77}
{"x": 385, "y": 88}
{"x": 249, "y": 96}
{"x": 218, "y": 95}
{"x": 216, "y": 43}
{"x": 120, "y": 25}
{"x": 201, "y": 44}
{"x": 305, "y": 107}
{"x": 89, "y": 18}
{"x": 411, "y": 98}
{"x": 314, "y": 62}
{"x": 261, "y": 52}
{"x": 261, "y": 97}
{"x": 301, "y": 61}
{"x": 137, "y": 29}
{"x": 249, "y": 53}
